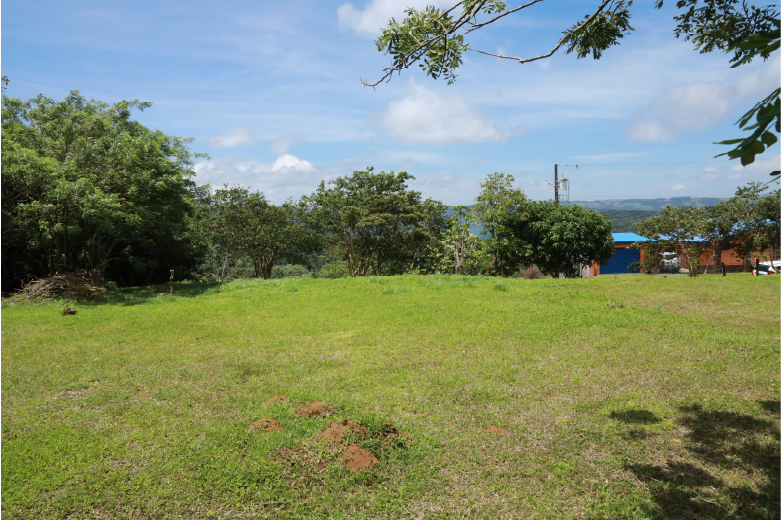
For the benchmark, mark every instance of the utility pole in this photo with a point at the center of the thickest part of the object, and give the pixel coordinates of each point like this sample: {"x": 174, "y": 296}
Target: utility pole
{"x": 556, "y": 183}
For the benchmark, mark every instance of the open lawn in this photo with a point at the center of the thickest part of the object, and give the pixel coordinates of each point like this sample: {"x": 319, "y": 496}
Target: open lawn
{"x": 620, "y": 397}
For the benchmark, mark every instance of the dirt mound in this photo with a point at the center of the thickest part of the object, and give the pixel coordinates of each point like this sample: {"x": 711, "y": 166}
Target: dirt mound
{"x": 357, "y": 458}
{"x": 336, "y": 430}
{"x": 314, "y": 409}
{"x": 495, "y": 429}
{"x": 265, "y": 425}
{"x": 276, "y": 399}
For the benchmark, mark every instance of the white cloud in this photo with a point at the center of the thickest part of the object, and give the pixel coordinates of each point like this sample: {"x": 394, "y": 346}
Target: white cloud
{"x": 711, "y": 169}
{"x": 376, "y": 14}
{"x": 289, "y": 162}
{"x": 289, "y": 176}
{"x": 699, "y": 105}
{"x": 282, "y": 145}
{"x": 649, "y": 131}
{"x": 424, "y": 116}
{"x": 679, "y": 187}
{"x": 236, "y": 137}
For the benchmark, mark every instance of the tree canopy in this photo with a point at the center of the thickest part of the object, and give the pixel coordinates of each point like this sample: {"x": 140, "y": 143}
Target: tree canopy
{"x": 84, "y": 186}
{"x": 559, "y": 239}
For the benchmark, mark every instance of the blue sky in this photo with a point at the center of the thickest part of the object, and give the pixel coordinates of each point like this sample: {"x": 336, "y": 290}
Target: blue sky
{"x": 271, "y": 91}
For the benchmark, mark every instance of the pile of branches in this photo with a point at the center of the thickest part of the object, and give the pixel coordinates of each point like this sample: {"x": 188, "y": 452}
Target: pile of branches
{"x": 77, "y": 284}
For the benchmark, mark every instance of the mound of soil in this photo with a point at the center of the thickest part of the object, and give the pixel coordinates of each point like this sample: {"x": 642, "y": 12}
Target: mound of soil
{"x": 357, "y": 458}
{"x": 276, "y": 399}
{"x": 265, "y": 425}
{"x": 336, "y": 430}
{"x": 495, "y": 429}
{"x": 314, "y": 409}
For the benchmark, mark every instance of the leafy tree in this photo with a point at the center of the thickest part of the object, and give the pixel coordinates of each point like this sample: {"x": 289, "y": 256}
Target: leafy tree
{"x": 770, "y": 210}
{"x": 456, "y": 250}
{"x": 755, "y": 220}
{"x": 496, "y": 204}
{"x": 86, "y": 187}
{"x": 559, "y": 239}
{"x": 248, "y": 225}
{"x": 688, "y": 232}
{"x": 436, "y": 38}
{"x": 378, "y": 221}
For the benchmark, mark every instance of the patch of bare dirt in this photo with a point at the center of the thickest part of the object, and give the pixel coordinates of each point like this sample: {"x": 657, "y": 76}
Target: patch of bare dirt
{"x": 264, "y": 425}
{"x": 357, "y": 458}
{"x": 315, "y": 409}
{"x": 495, "y": 429}
{"x": 336, "y": 430}
{"x": 276, "y": 399}
{"x": 330, "y": 447}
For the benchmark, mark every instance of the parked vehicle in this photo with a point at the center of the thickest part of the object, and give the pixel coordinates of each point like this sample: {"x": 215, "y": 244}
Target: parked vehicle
{"x": 765, "y": 268}
{"x": 671, "y": 261}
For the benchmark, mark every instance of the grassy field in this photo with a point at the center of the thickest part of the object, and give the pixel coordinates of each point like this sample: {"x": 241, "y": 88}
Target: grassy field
{"x": 621, "y": 397}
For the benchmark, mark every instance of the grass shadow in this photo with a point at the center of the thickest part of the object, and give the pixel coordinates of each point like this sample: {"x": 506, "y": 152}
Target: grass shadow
{"x": 636, "y": 417}
{"x": 142, "y": 295}
{"x": 725, "y": 443}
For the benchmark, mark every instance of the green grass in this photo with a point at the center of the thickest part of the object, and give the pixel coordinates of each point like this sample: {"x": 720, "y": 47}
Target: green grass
{"x": 623, "y": 397}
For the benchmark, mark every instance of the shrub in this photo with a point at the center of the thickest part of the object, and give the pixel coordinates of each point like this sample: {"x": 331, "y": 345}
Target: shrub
{"x": 283, "y": 271}
{"x": 532, "y": 273}
{"x": 334, "y": 270}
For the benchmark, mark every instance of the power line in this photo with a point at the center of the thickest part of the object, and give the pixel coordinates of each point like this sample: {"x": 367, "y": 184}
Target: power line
{"x": 658, "y": 163}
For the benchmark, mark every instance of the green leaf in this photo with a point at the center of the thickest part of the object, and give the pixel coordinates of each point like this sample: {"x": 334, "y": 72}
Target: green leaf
{"x": 769, "y": 138}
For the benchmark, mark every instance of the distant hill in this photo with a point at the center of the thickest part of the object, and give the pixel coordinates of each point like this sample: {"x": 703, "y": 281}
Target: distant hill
{"x": 623, "y": 213}
{"x": 623, "y": 219}
{"x": 645, "y": 204}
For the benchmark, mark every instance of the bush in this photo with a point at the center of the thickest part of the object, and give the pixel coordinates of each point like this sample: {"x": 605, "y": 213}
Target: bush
{"x": 334, "y": 270}
{"x": 283, "y": 271}
{"x": 532, "y": 273}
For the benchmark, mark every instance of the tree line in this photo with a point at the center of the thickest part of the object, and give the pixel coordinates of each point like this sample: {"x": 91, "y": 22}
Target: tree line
{"x": 87, "y": 188}
{"x": 748, "y": 224}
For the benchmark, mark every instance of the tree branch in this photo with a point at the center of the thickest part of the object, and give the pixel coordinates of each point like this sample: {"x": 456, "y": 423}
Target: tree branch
{"x": 561, "y": 42}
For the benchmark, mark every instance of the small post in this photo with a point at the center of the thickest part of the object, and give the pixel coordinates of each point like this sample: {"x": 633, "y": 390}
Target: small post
{"x": 756, "y": 266}
{"x": 171, "y": 280}
{"x": 723, "y": 269}
{"x": 556, "y": 183}
{"x": 222, "y": 276}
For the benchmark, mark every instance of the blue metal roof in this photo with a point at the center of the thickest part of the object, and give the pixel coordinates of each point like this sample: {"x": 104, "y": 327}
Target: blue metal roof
{"x": 622, "y": 238}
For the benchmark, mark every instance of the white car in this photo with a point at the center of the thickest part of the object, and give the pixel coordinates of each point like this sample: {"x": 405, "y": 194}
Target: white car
{"x": 770, "y": 267}
{"x": 671, "y": 261}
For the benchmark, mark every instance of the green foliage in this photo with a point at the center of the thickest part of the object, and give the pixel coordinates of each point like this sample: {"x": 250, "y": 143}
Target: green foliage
{"x": 766, "y": 111}
{"x": 339, "y": 269}
{"x": 723, "y": 25}
{"x": 247, "y": 225}
{"x": 595, "y": 34}
{"x": 559, "y": 239}
{"x": 86, "y": 187}
{"x": 380, "y": 223}
{"x": 769, "y": 209}
{"x": 436, "y": 37}
{"x": 290, "y": 270}
{"x": 456, "y": 250}
{"x": 747, "y": 223}
{"x": 753, "y": 219}
{"x": 496, "y": 205}
{"x": 690, "y": 233}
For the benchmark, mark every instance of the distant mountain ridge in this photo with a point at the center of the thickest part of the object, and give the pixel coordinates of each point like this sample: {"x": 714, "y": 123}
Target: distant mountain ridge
{"x": 646, "y": 204}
